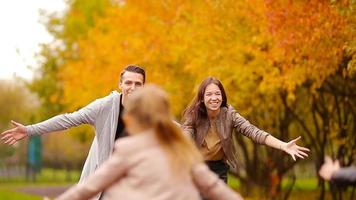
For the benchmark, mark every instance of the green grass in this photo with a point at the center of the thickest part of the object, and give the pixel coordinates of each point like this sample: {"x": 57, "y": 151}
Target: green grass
{"x": 303, "y": 189}
{"x": 307, "y": 184}
{"x": 8, "y": 194}
{"x": 233, "y": 182}
{"x": 306, "y": 189}
{"x": 48, "y": 176}
{"x": 300, "y": 184}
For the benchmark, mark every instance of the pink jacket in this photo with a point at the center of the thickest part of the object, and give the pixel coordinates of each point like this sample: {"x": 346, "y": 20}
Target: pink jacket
{"x": 139, "y": 170}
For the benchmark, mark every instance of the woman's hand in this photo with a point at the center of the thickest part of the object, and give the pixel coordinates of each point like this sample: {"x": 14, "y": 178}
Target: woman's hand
{"x": 294, "y": 150}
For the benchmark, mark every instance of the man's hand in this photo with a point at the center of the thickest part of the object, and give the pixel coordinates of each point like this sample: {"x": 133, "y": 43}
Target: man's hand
{"x": 15, "y": 134}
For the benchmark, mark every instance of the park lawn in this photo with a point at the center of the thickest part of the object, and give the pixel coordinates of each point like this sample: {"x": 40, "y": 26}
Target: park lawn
{"x": 303, "y": 189}
{"x": 300, "y": 184}
{"x": 306, "y": 189}
{"x": 10, "y": 190}
{"x": 305, "y": 184}
{"x": 47, "y": 177}
{"x": 7, "y": 193}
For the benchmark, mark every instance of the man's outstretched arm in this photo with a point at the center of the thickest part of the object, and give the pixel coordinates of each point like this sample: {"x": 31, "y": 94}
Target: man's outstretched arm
{"x": 86, "y": 115}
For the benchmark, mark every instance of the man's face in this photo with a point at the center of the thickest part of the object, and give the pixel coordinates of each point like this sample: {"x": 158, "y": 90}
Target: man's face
{"x": 130, "y": 82}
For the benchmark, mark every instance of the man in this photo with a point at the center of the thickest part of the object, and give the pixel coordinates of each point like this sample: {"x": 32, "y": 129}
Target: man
{"x": 341, "y": 176}
{"x": 104, "y": 114}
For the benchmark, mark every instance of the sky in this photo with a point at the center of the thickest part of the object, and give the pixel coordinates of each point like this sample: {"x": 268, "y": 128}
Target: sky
{"x": 21, "y": 33}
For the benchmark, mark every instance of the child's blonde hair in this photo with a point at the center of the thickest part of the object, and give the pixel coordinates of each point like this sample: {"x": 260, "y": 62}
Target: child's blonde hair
{"x": 150, "y": 108}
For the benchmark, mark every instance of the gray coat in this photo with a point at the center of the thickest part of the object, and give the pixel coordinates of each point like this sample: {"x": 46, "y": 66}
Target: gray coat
{"x": 103, "y": 114}
{"x": 345, "y": 176}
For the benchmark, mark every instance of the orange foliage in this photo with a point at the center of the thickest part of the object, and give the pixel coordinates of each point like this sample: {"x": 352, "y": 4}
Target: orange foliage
{"x": 251, "y": 45}
{"x": 309, "y": 39}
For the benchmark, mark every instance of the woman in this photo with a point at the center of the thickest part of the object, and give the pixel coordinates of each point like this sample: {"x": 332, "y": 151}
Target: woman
{"x": 157, "y": 162}
{"x": 211, "y": 121}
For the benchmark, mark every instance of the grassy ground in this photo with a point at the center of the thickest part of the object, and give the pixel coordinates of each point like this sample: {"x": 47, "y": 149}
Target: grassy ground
{"x": 301, "y": 184}
{"x": 305, "y": 189}
{"x": 47, "y": 177}
{"x": 6, "y": 193}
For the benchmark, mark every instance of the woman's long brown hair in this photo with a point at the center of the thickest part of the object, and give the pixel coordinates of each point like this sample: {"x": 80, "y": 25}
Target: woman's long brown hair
{"x": 196, "y": 111}
{"x": 150, "y": 108}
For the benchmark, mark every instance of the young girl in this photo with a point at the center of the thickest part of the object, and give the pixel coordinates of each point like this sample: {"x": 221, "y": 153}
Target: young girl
{"x": 156, "y": 162}
{"x": 210, "y": 121}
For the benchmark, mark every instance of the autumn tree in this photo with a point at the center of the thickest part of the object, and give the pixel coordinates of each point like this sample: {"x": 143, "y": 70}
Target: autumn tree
{"x": 67, "y": 29}
{"x": 287, "y": 66}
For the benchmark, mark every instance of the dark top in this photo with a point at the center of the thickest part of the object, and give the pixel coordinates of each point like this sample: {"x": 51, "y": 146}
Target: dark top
{"x": 120, "y": 130}
{"x": 345, "y": 176}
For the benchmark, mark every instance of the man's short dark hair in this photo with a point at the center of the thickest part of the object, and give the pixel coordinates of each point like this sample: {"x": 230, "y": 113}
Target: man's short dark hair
{"x": 135, "y": 69}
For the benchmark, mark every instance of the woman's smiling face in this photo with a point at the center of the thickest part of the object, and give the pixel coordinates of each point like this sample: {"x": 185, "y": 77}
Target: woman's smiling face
{"x": 212, "y": 97}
